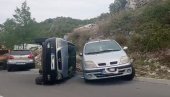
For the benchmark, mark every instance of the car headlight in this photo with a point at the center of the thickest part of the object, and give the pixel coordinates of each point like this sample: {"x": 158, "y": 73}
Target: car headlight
{"x": 90, "y": 64}
{"x": 124, "y": 60}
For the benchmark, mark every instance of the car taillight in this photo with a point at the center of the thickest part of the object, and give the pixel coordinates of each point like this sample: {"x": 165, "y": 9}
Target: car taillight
{"x": 30, "y": 56}
{"x": 10, "y": 57}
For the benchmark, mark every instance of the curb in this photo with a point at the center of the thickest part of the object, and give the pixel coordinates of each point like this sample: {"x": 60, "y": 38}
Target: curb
{"x": 152, "y": 80}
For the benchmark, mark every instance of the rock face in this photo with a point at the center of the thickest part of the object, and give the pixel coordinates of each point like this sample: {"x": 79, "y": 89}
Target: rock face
{"x": 85, "y": 28}
{"x": 133, "y": 4}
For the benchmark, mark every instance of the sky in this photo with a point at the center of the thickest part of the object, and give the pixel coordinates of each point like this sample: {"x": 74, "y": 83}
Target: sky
{"x": 44, "y": 9}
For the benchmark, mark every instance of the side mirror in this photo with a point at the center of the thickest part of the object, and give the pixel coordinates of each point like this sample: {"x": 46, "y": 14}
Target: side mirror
{"x": 125, "y": 48}
{"x": 81, "y": 54}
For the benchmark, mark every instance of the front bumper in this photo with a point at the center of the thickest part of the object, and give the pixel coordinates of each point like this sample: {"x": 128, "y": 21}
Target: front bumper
{"x": 107, "y": 73}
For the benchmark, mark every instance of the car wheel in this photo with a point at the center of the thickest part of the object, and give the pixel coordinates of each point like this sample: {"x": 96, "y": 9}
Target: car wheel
{"x": 4, "y": 66}
{"x": 86, "y": 80}
{"x": 9, "y": 69}
{"x": 33, "y": 66}
{"x": 131, "y": 76}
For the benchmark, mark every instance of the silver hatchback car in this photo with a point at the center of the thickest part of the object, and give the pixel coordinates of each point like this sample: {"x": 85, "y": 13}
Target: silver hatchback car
{"x": 106, "y": 59}
{"x": 20, "y": 58}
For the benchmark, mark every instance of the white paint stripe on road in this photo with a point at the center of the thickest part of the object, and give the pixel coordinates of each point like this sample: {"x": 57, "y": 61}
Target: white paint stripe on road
{"x": 152, "y": 80}
{"x": 1, "y": 96}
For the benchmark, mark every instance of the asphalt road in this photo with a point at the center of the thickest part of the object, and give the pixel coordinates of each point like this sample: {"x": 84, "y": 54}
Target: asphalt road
{"x": 21, "y": 84}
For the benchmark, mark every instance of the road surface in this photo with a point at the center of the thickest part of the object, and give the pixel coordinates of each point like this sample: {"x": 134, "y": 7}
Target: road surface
{"x": 21, "y": 84}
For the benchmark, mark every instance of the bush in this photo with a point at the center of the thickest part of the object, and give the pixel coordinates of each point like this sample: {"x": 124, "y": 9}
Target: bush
{"x": 121, "y": 39}
{"x": 154, "y": 36}
{"x": 135, "y": 42}
{"x": 79, "y": 39}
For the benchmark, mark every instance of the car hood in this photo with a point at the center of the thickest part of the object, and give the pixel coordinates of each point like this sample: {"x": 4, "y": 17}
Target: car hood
{"x": 105, "y": 57}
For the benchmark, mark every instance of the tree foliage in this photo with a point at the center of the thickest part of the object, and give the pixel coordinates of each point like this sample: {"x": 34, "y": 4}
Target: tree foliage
{"x": 19, "y": 29}
{"x": 22, "y": 15}
{"x": 22, "y": 28}
{"x": 59, "y": 26}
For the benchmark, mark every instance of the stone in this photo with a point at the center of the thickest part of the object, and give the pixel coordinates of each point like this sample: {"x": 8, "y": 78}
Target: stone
{"x": 133, "y": 4}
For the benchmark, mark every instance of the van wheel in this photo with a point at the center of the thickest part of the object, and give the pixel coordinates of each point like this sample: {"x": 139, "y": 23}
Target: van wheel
{"x": 131, "y": 76}
{"x": 39, "y": 80}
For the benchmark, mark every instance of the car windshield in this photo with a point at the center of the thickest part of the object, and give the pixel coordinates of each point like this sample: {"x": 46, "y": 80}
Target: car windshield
{"x": 101, "y": 47}
{"x": 20, "y": 52}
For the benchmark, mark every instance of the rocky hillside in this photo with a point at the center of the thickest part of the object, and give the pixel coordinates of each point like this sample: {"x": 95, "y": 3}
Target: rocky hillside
{"x": 133, "y": 4}
{"x": 143, "y": 26}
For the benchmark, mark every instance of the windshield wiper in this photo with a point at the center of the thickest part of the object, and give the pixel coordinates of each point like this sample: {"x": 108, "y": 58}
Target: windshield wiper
{"x": 109, "y": 50}
{"x": 92, "y": 53}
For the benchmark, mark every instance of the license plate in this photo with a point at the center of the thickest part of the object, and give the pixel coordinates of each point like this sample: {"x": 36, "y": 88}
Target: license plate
{"x": 20, "y": 63}
{"x": 112, "y": 69}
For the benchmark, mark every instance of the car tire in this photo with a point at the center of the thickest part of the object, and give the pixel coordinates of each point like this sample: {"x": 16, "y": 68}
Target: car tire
{"x": 87, "y": 81}
{"x": 131, "y": 76}
{"x": 9, "y": 69}
{"x": 4, "y": 67}
{"x": 33, "y": 66}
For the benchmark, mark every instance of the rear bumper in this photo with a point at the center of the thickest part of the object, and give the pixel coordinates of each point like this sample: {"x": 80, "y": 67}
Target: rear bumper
{"x": 104, "y": 73}
{"x": 26, "y": 65}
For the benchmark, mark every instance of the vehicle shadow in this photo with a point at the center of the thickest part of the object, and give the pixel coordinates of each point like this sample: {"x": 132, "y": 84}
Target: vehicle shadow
{"x": 53, "y": 83}
{"x": 19, "y": 69}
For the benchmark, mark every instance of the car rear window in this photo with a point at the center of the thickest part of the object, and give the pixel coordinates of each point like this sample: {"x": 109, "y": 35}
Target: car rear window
{"x": 20, "y": 52}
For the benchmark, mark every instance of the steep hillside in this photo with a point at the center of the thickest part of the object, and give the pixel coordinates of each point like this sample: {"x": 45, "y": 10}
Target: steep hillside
{"x": 150, "y": 22}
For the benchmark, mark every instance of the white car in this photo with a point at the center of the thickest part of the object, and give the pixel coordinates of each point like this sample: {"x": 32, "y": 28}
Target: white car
{"x": 20, "y": 59}
{"x": 106, "y": 59}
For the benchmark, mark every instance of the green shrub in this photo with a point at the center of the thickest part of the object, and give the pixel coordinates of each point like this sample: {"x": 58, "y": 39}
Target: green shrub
{"x": 135, "y": 42}
{"x": 121, "y": 39}
{"x": 154, "y": 36}
{"x": 79, "y": 39}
